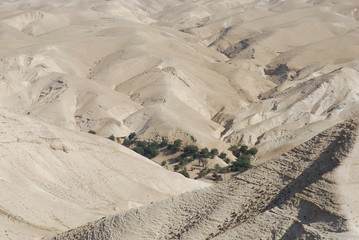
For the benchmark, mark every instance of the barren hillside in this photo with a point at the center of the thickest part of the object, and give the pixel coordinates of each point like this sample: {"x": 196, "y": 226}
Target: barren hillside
{"x": 307, "y": 193}
{"x": 271, "y": 74}
{"x": 253, "y": 72}
{"x": 52, "y": 179}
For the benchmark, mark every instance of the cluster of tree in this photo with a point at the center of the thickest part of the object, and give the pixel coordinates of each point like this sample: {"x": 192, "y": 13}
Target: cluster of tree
{"x": 243, "y": 155}
{"x": 149, "y": 149}
{"x": 190, "y": 153}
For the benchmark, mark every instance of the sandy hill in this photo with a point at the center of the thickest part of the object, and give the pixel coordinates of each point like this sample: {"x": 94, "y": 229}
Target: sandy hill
{"x": 254, "y": 72}
{"x": 269, "y": 73}
{"x": 53, "y": 179}
{"x": 307, "y": 193}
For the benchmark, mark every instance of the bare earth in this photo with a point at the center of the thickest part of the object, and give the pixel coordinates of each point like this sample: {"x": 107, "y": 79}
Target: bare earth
{"x": 299, "y": 195}
{"x": 274, "y": 74}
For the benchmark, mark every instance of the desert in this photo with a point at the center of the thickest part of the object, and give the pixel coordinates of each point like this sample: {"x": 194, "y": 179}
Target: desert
{"x": 203, "y": 87}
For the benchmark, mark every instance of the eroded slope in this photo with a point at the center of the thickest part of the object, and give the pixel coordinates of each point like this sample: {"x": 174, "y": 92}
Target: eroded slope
{"x": 53, "y": 179}
{"x": 299, "y": 195}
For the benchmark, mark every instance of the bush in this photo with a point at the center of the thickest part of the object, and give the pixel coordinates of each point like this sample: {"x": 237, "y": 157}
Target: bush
{"x": 112, "y": 137}
{"x": 177, "y": 142}
{"x": 222, "y": 155}
{"x": 214, "y": 152}
{"x": 163, "y": 163}
{"x": 173, "y": 148}
{"x": 252, "y": 151}
{"x": 217, "y": 168}
{"x": 139, "y": 150}
{"x": 177, "y": 167}
{"x": 203, "y": 172}
{"x": 190, "y": 150}
{"x": 91, "y": 132}
{"x": 227, "y": 160}
{"x": 163, "y": 143}
{"x": 242, "y": 164}
{"x": 150, "y": 152}
{"x": 224, "y": 170}
{"x": 233, "y": 148}
{"x": 132, "y": 136}
{"x": 217, "y": 177}
{"x": 126, "y": 142}
{"x": 184, "y": 173}
{"x": 204, "y": 153}
{"x": 243, "y": 149}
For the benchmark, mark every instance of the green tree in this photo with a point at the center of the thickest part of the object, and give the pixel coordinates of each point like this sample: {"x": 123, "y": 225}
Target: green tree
{"x": 203, "y": 172}
{"x": 177, "y": 167}
{"x": 112, "y": 137}
{"x": 222, "y": 155}
{"x": 132, "y": 136}
{"x": 217, "y": 168}
{"x": 204, "y": 153}
{"x": 150, "y": 152}
{"x": 217, "y": 177}
{"x": 233, "y": 148}
{"x": 139, "y": 150}
{"x": 184, "y": 173}
{"x": 177, "y": 142}
{"x": 163, "y": 163}
{"x": 252, "y": 151}
{"x": 126, "y": 142}
{"x": 242, "y": 164}
{"x": 214, "y": 152}
{"x": 92, "y": 132}
{"x": 190, "y": 150}
{"x": 243, "y": 148}
{"x": 163, "y": 143}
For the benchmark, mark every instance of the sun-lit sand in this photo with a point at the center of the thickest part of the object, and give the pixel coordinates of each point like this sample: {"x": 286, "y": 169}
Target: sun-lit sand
{"x": 266, "y": 73}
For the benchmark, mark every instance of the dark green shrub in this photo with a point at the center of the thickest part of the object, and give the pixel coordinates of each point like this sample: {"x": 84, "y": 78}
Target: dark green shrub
{"x": 233, "y": 148}
{"x": 190, "y": 150}
{"x": 139, "y": 150}
{"x": 203, "y": 172}
{"x": 222, "y": 155}
{"x": 184, "y": 173}
{"x": 217, "y": 177}
{"x": 243, "y": 148}
{"x": 177, "y": 167}
{"x": 132, "y": 136}
{"x": 163, "y": 143}
{"x": 204, "y": 153}
{"x": 126, "y": 142}
{"x": 242, "y": 164}
{"x": 252, "y": 151}
{"x": 214, "y": 152}
{"x": 92, "y": 132}
{"x": 112, "y": 137}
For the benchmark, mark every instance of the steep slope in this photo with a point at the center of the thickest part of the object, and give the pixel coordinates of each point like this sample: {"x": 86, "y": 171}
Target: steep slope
{"x": 299, "y": 195}
{"x": 53, "y": 179}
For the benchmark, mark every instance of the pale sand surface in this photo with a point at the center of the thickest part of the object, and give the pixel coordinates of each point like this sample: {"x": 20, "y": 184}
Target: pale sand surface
{"x": 196, "y": 70}
{"x": 269, "y": 73}
{"x": 52, "y": 179}
{"x": 298, "y": 195}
